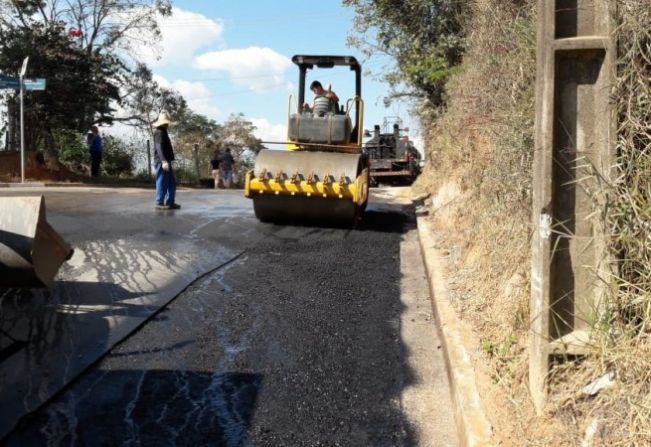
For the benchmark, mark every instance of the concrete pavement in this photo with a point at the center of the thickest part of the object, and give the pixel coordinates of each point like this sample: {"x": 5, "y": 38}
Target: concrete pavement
{"x": 129, "y": 261}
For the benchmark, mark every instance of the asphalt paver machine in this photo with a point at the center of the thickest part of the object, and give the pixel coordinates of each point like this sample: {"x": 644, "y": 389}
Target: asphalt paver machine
{"x": 321, "y": 176}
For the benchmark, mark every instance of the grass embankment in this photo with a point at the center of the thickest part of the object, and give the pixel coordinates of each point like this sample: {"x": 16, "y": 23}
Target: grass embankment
{"x": 480, "y": 172}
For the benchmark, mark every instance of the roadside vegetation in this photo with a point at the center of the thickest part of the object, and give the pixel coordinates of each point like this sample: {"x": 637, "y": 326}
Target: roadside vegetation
{"x": 479, "y": 132}
{"x": 90, "y": 54}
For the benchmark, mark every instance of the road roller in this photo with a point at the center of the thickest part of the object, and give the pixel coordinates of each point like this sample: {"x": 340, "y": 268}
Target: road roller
{"x": 319, "y": 175}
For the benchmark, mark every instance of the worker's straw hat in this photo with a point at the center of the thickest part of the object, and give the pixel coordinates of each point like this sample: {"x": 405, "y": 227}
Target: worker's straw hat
{"x": 163, "y": 118}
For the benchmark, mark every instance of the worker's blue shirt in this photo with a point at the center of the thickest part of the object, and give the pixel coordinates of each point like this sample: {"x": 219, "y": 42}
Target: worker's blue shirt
{"x": 96, "y": 144}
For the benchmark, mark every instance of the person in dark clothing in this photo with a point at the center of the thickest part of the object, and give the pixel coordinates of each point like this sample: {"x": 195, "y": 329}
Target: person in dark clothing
{"x": 94, "y": 141}
{"x": 227, "y": 165}
{"x": 163, "y": 158}
{"x": 214, "y": 166}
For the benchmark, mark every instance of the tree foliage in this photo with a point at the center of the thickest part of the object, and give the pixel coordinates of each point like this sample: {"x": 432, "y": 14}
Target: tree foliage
{"x": 82, "y": 48}
{"x": 88, "y": 52}
{"x": 195, "y": 130}
{"x": 144, "y": 99}
{"x": 425, "y": 38}
{"x": 237, "y": 133}
{"x": 117, "y": 154}
{"x": 79, "y": 87}
{"x": 98, "y": 26}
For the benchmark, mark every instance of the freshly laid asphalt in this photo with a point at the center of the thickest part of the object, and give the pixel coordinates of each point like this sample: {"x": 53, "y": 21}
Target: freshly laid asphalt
{"x": 289, "y": 336}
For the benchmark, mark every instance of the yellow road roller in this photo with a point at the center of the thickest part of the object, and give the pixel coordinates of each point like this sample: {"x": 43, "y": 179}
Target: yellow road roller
{"x": 321, "y": 175}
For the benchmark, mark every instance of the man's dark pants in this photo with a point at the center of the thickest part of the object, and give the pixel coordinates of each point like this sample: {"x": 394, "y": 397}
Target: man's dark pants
{"x": 95, "y": 160}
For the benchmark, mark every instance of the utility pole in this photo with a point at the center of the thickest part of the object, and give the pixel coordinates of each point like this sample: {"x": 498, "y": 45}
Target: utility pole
{"x": 575, "y": 135}
{"x": 196, "y": 162}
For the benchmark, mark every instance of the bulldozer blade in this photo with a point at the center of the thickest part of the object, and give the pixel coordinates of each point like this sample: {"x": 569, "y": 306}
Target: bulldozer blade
{"x": 31, "y": 251}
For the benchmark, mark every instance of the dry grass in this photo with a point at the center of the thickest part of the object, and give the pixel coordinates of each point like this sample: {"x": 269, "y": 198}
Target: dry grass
{"x": 481, "y": 157}
{"x": 623, "y": 339}
{"x": 482, "y": 149}
{"x": 621, "y": 415}
{"x": 483, "y": 144}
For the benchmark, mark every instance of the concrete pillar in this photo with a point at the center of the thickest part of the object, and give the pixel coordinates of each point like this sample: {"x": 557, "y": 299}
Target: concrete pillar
{"x": 574, "y": 145}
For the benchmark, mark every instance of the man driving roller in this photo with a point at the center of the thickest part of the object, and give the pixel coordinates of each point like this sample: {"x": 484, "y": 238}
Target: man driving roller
{"x": 324, "y": 100}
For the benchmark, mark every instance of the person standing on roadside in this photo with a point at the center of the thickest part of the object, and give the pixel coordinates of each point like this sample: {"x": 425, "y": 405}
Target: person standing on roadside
{"x": 163, "y": 158}
{"x": 227, "y": 165}
{"x": 94, "y": 142}
{"x": 214, "y": 165}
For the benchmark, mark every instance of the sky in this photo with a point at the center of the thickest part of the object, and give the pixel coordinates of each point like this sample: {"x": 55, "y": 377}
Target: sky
{"x": 229, "y": 57}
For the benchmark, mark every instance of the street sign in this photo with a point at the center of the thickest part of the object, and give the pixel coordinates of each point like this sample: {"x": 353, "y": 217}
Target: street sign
{"x": 9, "y": 82}
{"x": 34, "y": 84}
{"x": 23, "y": 70}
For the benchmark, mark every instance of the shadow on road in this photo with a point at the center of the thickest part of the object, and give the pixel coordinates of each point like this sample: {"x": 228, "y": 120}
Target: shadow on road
{"x": 389, "y": 221}
{"x": 47, "y": 337}
{"x": 154, "y": 407}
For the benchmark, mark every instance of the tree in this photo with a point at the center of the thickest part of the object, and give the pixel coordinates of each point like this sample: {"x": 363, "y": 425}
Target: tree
{"x": 97, "y": 26}
{"x": 117, "y": 154}
{"x": 83, "y": 49}
{"x": 192, "y": 131}
{"x": 117, "y": 159}
{"x": 143, "y": 99}
{"x": 424, "y": 37}
{"x": 76, "y": 83}
{"x": 236, "y": 132}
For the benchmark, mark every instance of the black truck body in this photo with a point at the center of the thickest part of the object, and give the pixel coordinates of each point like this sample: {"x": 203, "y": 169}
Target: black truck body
{"x": 393, "y": 158}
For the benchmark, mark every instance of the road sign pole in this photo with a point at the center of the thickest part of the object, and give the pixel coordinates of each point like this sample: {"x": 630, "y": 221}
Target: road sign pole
{"x": 22, "y": 135}
{"x": 22, "y": 123}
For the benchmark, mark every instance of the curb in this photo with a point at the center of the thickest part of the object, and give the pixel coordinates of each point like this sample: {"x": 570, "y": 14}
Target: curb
{"x": 473, "y": 427}
{"x": 26, "y": 185}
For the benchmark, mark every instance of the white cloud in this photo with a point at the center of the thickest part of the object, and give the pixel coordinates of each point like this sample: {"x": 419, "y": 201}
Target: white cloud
{"x": 198, "y": 97}
{"x": 257, "y": 68}
{"x": 266, "y": 131}
{"x": 183, "y": 34}
{"x": 196, "y": 94}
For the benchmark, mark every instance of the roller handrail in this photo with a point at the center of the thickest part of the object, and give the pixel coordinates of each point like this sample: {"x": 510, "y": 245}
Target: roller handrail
{"x": 289, "y": 106}
{"x": 360, "y": 121}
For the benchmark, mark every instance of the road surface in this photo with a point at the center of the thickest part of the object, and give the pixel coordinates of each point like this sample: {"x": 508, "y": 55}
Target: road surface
{"x": 205, "y": 327}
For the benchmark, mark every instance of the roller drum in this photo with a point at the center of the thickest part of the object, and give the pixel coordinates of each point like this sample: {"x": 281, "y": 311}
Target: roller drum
{"x": 300, "y": 209}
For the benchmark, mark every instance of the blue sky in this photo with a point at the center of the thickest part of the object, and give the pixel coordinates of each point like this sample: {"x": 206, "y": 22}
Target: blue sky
{"x": 232, "y": 57}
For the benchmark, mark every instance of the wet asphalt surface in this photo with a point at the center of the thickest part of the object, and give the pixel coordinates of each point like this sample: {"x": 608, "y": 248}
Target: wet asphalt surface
{"x": 294, "y": 342}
